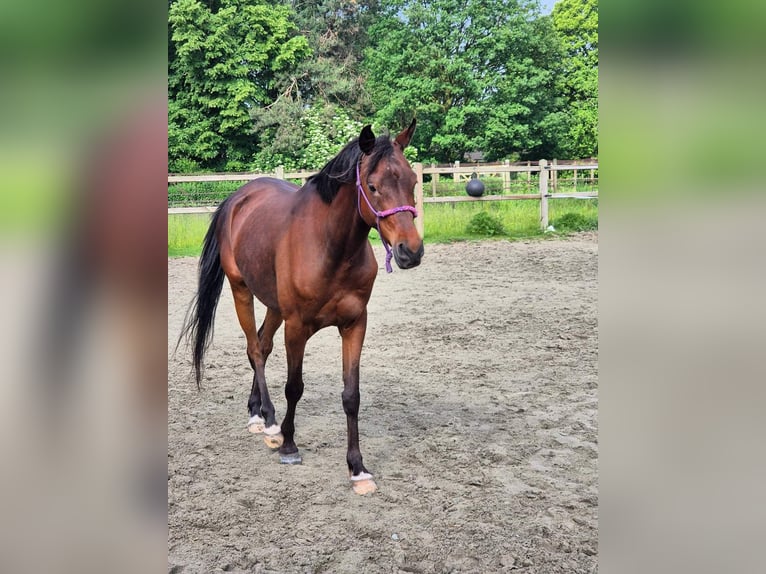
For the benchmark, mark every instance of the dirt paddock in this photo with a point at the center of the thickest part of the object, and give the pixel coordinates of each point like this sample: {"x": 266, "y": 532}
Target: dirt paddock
{"x": 478, "y": 420}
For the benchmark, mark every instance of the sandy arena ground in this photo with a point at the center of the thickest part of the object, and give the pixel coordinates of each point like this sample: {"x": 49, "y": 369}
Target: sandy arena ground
{"x": 478, "y": 420}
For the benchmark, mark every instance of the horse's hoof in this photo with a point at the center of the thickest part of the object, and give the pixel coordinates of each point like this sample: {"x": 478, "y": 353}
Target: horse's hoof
{"x": 273, "y": 436}
{"x": 273, "y": 441}
{"x": 292, "y": 458}
{"x": 256, "y": 424}
{"x": 363, "y": 483}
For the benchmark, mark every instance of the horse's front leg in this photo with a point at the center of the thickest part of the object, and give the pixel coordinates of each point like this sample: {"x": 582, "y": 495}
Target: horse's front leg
{"x": 296, "y": 336}
{"x": 353, "y": 338}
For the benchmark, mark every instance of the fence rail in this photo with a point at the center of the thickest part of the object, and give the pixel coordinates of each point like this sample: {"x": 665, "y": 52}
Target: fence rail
{"x": 279, "y": 173}
{"x": 459, "y": 172}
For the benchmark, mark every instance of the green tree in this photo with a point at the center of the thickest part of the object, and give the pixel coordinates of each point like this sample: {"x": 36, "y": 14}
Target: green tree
{"x": 526, "y": 116}
{"x": 576, "y": 24}
{"x": 325, "y": 91}
{"x": 306, "y": 141}
{"x": 224, "y": 58}
{"x": 479, "y": 74}
{"x": 337, "y": 33}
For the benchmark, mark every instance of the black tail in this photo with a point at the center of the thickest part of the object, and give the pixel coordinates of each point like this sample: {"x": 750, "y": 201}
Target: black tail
{"x": 198, "y": 325}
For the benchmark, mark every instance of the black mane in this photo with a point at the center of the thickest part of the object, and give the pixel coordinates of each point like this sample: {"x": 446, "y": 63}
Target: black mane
{"x": 342, "y": 168}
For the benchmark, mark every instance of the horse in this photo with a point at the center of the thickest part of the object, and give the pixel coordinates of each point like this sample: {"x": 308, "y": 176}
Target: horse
{"x": 305, "y": 254}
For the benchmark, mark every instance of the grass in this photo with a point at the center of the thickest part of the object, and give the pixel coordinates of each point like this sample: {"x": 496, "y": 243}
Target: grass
{"x": 443, "y": 222}
{"x": 449, "y": 222}
{"x": 185, "y": 234}
{"x": 519, "y": 219}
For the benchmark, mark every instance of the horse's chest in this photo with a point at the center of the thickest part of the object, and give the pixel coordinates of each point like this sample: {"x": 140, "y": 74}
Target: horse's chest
{"x": 335, "y": 303}
{"x": 321, "y": 299}
{"x": 337, "y": 309}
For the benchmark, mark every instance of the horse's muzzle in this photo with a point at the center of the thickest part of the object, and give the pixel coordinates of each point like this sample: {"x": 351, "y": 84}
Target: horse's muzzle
{"x": 406, "y": 258}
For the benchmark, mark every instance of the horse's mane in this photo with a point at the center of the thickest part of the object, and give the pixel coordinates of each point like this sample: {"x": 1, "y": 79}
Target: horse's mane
{"x": 342, "y": 168}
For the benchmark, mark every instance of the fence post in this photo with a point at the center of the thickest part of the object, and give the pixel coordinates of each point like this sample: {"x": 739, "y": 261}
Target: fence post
{"x": 507, "y": 176}
{"x": 279, "y": 172}
{"x": 419, "y": 223}
{"x": 434, "y": 181}
{"x": 555, "y": 176}
{"x": 543, "y": 194}
{"x": 456, "y": 175}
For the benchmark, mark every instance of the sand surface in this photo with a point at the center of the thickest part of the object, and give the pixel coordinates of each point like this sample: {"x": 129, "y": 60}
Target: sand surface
{"x": 478, "y": 420}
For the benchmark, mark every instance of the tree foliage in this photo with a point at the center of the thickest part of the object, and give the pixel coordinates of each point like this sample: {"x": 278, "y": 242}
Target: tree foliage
{"x": 307, "y": 141}
{"x": 326, "y": 90}
{"x": 255, "y": 84}
{"x": 576, "y": 24}
{"x": 225, "y": 58}
{"x": 479, "y": 73}
{"x": 337, "y": 32}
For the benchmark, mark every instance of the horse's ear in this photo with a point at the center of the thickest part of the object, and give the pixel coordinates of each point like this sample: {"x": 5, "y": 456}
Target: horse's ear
{"x": 366, "y": 140}
{"x": 403, "y": 139}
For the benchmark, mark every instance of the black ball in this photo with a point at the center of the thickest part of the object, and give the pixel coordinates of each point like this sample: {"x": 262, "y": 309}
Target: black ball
{"x": 474, "y": 187}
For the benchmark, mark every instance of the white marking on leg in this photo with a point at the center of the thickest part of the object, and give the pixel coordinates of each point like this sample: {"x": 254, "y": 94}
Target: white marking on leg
{"x": 255, "y": 424}
{"x": 255, "y": 419}
{"x": 361, "y": 476}
{"x": 272, "y": 430}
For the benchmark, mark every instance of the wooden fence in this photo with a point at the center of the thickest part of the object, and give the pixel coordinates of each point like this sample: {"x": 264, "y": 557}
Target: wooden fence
{"x": 547, "y": 185}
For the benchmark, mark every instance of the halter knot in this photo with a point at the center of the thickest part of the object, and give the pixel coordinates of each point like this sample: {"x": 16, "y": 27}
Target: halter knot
{"x": 380, "y": 215}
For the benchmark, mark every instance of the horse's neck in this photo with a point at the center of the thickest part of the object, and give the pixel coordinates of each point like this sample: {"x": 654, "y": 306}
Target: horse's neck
{"x": 345, "y": 227}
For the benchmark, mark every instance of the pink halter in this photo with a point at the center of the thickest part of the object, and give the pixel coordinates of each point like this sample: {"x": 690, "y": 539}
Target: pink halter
{"x": 380, "y": 215}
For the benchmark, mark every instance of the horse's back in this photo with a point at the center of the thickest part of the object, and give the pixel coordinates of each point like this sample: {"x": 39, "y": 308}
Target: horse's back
{"x": 264, "y": 191}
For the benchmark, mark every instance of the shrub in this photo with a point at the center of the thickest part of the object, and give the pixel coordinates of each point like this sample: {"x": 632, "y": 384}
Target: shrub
{"x": 183, "y": 165}
{"x": 574, "y": 222}
{"x": 484, "y": 224}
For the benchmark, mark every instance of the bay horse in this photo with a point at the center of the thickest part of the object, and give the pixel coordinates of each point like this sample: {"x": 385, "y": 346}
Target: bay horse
{"x": 305, "y": 254}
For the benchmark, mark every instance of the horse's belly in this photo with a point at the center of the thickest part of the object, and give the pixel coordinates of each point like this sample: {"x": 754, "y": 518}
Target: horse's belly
{"x": 261, "y": 281}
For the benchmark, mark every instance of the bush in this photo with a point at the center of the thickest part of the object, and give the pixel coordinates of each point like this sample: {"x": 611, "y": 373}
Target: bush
{"x": 183, "y": 165}
{"x": 484, "y": 224}
{"x": 574, "y": 222}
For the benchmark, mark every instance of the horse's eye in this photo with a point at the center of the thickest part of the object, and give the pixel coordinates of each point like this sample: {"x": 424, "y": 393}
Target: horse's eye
{"x": 373, "y": 189}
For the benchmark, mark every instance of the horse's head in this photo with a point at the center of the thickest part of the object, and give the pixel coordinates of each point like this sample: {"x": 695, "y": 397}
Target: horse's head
{"x": 387, "y": 194}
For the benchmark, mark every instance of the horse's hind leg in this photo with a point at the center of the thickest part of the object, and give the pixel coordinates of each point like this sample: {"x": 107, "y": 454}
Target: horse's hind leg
{"x": 260, "y": 407}
{"x": 266, "y": 333}
{"x": 270, "y": 324}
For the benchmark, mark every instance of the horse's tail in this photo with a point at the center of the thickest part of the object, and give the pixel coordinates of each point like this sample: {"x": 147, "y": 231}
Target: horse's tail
{"x": 198, "y": 324}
